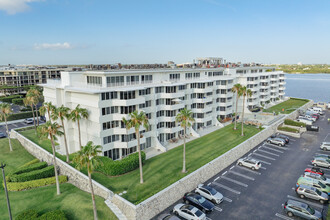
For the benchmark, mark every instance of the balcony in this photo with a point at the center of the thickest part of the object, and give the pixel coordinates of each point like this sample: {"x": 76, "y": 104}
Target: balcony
{"x": 170, "y": 107}
{"x": 129, "y": 144}
{"x": 170, "y": 95}
{"x": 169, "y": 130}
{"x": 206, "y": 90}
{"x": 202, "y": 110}
{"x": 202, "y": 120}
{"x": 204, "y": 100}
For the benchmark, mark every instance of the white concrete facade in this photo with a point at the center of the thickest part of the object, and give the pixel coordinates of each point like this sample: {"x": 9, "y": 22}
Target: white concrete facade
{"x": 161, "y": 93}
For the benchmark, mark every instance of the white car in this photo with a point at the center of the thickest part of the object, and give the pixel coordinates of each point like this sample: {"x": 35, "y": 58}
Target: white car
{"x": 309, "y": 117}
{"x": 321, "y": 162}
{"x": 209, "y": 193}
{"x": 305, "y": 120}
{"x": 325, "y": 146}
{"x": 188, "y": 212}
{"x": 318, "y": 177}
{"x": 249, "y": 162}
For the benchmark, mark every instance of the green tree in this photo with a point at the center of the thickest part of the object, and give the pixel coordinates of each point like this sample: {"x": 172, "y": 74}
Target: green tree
{"x": 76, "y": 115}
{"x": 185, "y": 119}
{"x": 49, "y": 108}
{"x": 137, "y": 119}
{"x": 245, "y": 92}
{"x": 51, "y": 130}
{"x": 36, "y": 94}
{"x": 62, "y": 113}
{"x": 87, "y": 158}
{"x": 236, "y": 89}
{"x": 5, "y": 111}
{"x": 28, "y": 101}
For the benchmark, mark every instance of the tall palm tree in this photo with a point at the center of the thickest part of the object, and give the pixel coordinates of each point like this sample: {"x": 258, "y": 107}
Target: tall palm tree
{"x": 185, "y": 119}
{"x": 236, "y": 89}
{"x": 52, "y": 130}
{"x": 28, "y": 101}
{"x": 62, "y": 113}
{"x": 33, "y": 91}
{"x": 49, "y": 108}
{"x": 245, "y": 92}
{"x": 76, "y": 115}
{"x": 87, "y": 158}
{"x": 136, "y": 120}
{"x": 5, "y": 111}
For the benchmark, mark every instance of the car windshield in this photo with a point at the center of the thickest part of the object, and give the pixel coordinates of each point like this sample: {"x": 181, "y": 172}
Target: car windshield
{"x": 199, "y": 213}
{"x": 201, "y": 199}
{"x": 213, "y": 191}
{"x": 321, "y": 184}
{"x": 318, "y": 192}
{"x": 311, "y": 210}
{"x": 322, "y": 178}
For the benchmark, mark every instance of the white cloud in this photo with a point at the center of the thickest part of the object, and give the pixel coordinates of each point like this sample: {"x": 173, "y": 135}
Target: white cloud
{"x": 15, "y": 6}
{"x": 55, "y": 46}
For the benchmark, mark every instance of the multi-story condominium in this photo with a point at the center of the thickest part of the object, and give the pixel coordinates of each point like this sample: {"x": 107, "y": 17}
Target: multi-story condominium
{"x": 161, "y": 93}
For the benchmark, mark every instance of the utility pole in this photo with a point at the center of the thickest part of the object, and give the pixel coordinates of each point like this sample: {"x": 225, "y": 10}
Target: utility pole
{"x": 4, "y": 181}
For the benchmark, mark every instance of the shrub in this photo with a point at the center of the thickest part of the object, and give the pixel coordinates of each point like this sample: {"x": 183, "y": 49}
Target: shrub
{"x": 293, "y": 130}
{"x": 33, "y": 175}
{"x": 20, "y": 115}
{"x": 30, "y": 163}
{"x": 19, "y": 186}
{"x": 118, "y": 167}
{"x": 53, "y": 215}
{"x": 36, "y": 166}
{"x": 18, "y": 101}
{"x": 9, "y": 98}
{"x": 294, "y": 123}
{"x": 29, "y": 214}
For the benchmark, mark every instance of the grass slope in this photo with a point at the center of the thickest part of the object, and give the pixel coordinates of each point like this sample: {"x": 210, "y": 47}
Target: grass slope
{"x": 289, "y": 106}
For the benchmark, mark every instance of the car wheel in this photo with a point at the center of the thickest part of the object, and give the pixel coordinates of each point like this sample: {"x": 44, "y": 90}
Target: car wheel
{"x": 324, "y": 148}
{"x": 302, "y": 196}
{"x": 290, "y": 214}
{"x": 253, "y": 168}
{"x": 280, "y": 145}
{"x": 186, "y": 202}
{"x": 215, "y": 202}
{"x": 314, "y": 164}
{"x": 175, "y": 213}
{"x": 240, "y": 164}
{"x": 322, "y": 201}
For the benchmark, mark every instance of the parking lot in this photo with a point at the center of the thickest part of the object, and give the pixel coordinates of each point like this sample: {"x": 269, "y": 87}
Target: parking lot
{"x": 13, "y": 126}
{"x": 260, "y": 194}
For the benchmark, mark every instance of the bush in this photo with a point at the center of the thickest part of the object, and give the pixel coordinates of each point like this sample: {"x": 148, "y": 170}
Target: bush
{"x": 118, "y": 167}
{"x": 293, "y": 130}
{"x": 30, "y": 214}
{"x": 19, "y": 186}
{"x": 21, "y": 115}
{"x": 17, "y": 101}
{"x": 33, "y": 175}
{"x": 36, "y": 166}
{"x": 30, "y": 163}
{"x": 294, "y": 123}
{"x": 53, "y": 215}
{"x": 9, "y": 98}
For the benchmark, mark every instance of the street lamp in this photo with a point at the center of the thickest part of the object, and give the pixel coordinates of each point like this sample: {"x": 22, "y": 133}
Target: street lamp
{"x": 4, "y": 181}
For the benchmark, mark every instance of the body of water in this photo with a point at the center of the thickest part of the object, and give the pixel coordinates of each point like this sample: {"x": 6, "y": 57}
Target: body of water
{"x": 309, "y": 86}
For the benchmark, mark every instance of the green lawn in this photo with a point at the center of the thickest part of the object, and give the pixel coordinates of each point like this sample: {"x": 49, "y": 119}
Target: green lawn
{"x": 289, "y": 106}
{"x": 76, "y": 203}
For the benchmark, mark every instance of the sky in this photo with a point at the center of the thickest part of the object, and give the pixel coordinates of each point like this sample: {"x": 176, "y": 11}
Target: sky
{"x": 156, "y": 31}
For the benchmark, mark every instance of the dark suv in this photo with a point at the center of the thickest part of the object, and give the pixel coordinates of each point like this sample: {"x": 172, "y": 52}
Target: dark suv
{"x": 300, "y": 209}
{"x": 278, "y": 135}
{"x": 198, "y": 201}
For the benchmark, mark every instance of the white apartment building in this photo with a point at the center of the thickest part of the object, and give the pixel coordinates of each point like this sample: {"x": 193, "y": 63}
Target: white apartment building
{"x": 161, "y": 94}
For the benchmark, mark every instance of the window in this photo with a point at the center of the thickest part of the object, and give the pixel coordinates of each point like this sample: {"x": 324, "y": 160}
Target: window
{"x": 175, "y": 77}
{"x": 109, "y": 95}
{"x": 145, "y": 91}
{"x": 109, "y": 110}
{"x": 171, "y": 89}
{"x": 159, "y": 89}
{"x": 110, "y": 124}
{"x": 94, "y": 80}
{"x": 110, "y": 139}
{"x": 115, "y": 81}
{"x": 182, "y": 87}
{"x": 188, "y": 75}
{"x": 127, "y": 95}
{"x": 127, "y": 109}
{"x": 146, "y": 79}
{"x": 132, "y": 80}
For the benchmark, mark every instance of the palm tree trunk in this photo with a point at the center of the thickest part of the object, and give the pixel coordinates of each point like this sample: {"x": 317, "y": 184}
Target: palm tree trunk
{"x": 49, "y": 116}
{"x": 34, "y": 120}
{"x": 79, "y": 134}
{"x": 236, "y": 112}
{"x": 184, "y": 151}
{"x": 55, "y": 166}
{"x": 37, "y": 115}
{"x": 10, "y": 147}
{"x": 65, "y": 143}
{"x": 92, "y": 192}
{"x": 243, "y": 115}
{"x": 140, "y": 159}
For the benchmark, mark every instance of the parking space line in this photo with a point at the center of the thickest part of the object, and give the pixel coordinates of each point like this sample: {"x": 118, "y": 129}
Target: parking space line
{"x": 227, "y": 199}
{"x": 306, "y": 201}
{"x": 265, "y": 162}
{"x": 247, "y": 169}
{"x": 234, "y": 181}
{"x": 15, "y": 125}
{"x": 272, "y": 145}
{"x": 227, "y": 188}
{"x": 326, "y": 137}
{"x": 232, "y": 167}
{"x": 269, "y": 148}
{"x": 292, "y": 140}
{"x": 323, "y": 168}
{"x": 276, "y": 155}
{"x": 283, "y": 216}
{"x": 216, "y": 179}
{"x": 242, "y": 175}
{"x": 218, "y": 208}
{"x": 264, "y": 168}
{"x": 260, "y": 155}
{"x": 209, "y": 184}
{"x": 224, "y": 173}
{"x": 324, "y": 152}
{"x": 207, "y": 218}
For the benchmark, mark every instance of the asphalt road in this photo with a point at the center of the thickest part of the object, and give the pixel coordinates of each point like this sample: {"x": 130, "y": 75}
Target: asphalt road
{"x": 13, "y": 126}
{"x": 260, "y": 194}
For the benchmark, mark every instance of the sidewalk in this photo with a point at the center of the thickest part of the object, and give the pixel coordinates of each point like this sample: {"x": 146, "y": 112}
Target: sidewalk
{"x": 12, "y": 122}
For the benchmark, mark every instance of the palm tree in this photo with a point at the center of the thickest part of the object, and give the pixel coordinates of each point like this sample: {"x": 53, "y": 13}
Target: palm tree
{"x": 51, "y": 130}
{"x": 236, "y": 89}
{"x": 33, "y": 91}
{"x": 185, "y": 119}
{"x": 76, "y": 115}
{"x": 87, "y": 158}
{"x": 49, "y": 107}
{"x": 137, "y": 119}
{"x": 5, "y": 111}
{"x": 245, "y": 92}
{"x": 28, "y": 101}
{"x": 62, "y": 113}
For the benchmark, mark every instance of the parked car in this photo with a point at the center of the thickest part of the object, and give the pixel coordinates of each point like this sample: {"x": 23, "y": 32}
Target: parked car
{"x": 323, "y": 156}
{"x": 321, "y": 162}
{"x": 2, "y": 135}
{"x": 314, "y": 183}
{"x": 325, "y": 146}
{"x": 188, "y": 212}
{"x": 198, "y": 201}
{"x": 312, "y": 128}
{"x": 286, "y": 138}
{"x": 167, "y": 217}
{"x": 28, "y": 121}
{"x": 249, "y": 162}
{"x": 315, "y": 116}
{"x": 209, "y": 193}
{"x": 301, "y": 209}
{"x": 312, "y": 193}
{"x": 318, "y": 177}
{"x": 278, "y": 141}
{"x": 316, "y": 170}
{"x": 305, "y": 120}
{"x": 256, "y": 109}
{"x": 318, "y": 110}
{"x": 310, "y": 118}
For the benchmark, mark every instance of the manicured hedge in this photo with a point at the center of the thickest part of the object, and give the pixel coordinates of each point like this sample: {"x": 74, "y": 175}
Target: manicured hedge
{"x": 29, "y": 214}
{"x": 294, "y": 123}
{"x": 30, "y": 163}
{"x": 36, "y": 166}
{"x": 118, "y": 167}
{"x": 9, "y": 98}
{"x": 17, "y": 101}
{"x": 293, "y": 130}
{"x": 21, "y": 115}
{"x": 19, "y": 186}
{"x": 53, "y": 215}
{"x": 33, "y": 175}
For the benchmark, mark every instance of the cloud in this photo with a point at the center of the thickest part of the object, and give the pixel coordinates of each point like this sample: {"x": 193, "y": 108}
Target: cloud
{"x": 15, "y": 6}
{"x": 55, "y": 46}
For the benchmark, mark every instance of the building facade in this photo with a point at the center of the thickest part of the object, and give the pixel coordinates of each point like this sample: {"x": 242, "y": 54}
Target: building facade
{"x": 161, "y": 93}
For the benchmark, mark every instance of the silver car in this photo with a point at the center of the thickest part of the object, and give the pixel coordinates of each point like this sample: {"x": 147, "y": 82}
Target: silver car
{"x": 209, "y": 193}
{"x": 312, "y": 193}
{"x": 325, "y": 146}
{"x": 249, "y": 162}
{"x": 318, "y": 177}
{"x": 278, "y": 141}
{"x": 321, "y": 162}
{"x": 188, "y": 212}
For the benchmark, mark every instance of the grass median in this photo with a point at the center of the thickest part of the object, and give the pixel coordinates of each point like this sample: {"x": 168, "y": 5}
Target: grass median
{"x": 288, "y": 106}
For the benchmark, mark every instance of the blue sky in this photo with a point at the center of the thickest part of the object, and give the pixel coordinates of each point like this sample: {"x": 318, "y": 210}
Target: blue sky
{"x": 156, "y": 31}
